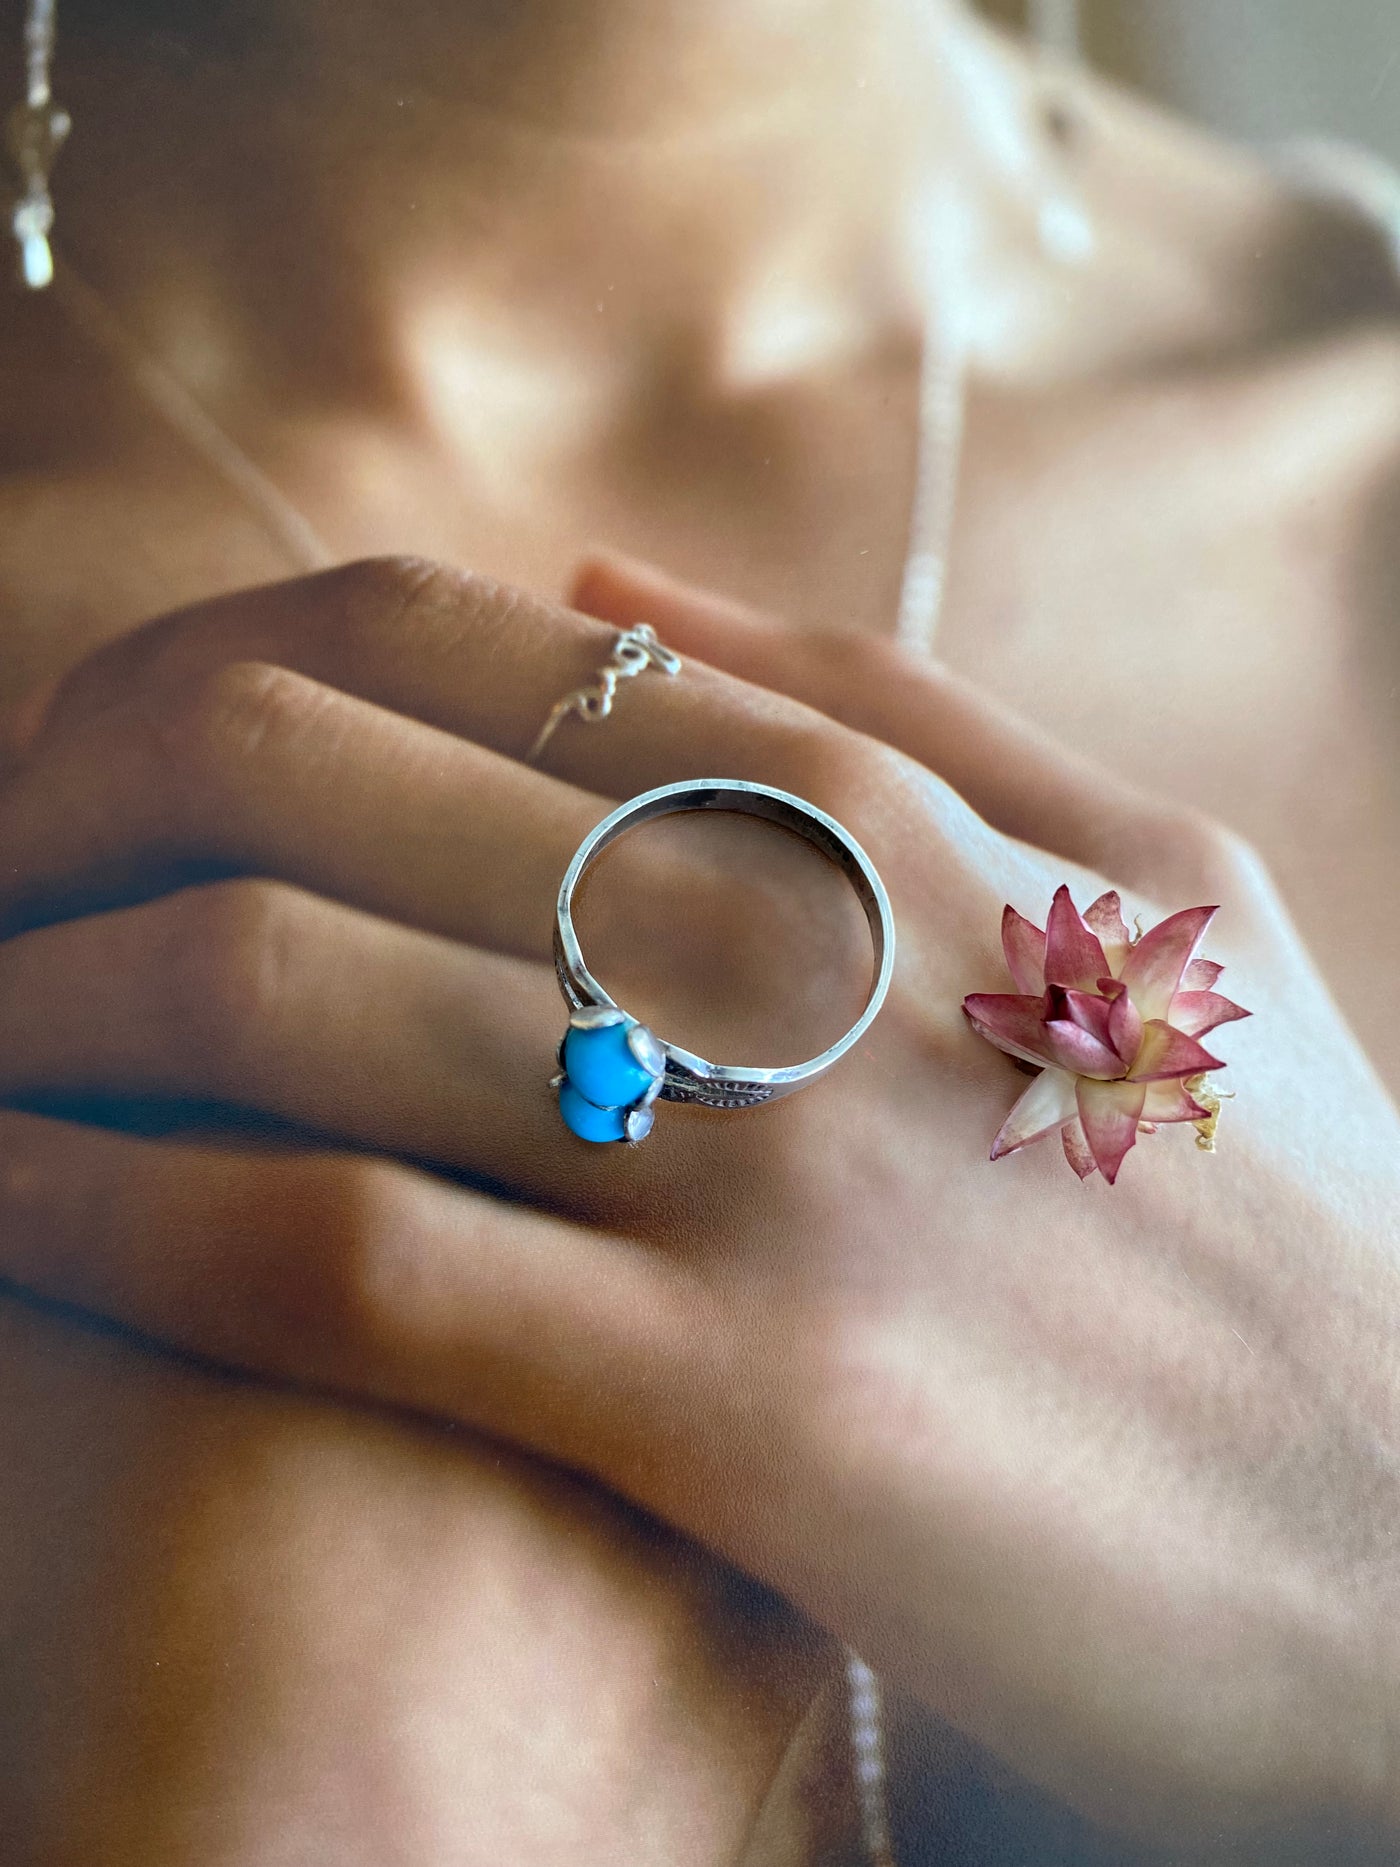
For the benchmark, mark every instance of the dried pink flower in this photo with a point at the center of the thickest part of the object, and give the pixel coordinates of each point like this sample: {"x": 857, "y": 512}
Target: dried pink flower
{"x": 1112, "y": 1024}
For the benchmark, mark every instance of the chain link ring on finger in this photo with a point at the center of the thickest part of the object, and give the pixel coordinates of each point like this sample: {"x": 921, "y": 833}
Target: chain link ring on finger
{"x": 634, "y": 651}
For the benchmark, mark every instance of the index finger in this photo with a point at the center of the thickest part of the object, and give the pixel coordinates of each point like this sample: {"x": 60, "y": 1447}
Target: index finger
{"x": 458, "y": 653}
{"x": 453, "y": 650}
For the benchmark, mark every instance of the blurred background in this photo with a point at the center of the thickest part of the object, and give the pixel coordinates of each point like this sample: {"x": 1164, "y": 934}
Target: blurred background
{"x": 1257, "y": 69}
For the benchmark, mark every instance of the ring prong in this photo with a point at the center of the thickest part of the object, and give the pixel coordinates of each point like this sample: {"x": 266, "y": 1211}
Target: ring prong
{"x": 596, "y": 1017}
{"x": 639, "y": 1121}
{"x": 646, "y": 1050}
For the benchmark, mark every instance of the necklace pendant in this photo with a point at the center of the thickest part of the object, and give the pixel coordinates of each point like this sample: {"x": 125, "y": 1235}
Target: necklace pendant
{"x": 31, "y": 223}
{"x": 35, "y": 132}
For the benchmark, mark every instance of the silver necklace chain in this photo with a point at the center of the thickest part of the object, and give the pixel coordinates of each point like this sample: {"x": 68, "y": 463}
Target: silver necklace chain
{"x": 288, "y": 527}
{"x": 865, "y": 1710}
{"x": 941, "y": 421}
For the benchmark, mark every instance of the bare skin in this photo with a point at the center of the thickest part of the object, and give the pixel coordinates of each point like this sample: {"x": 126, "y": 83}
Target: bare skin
{"x": 478, "y": 406}
{"x": 652, "y": 427}
{"x": 1072, "y": 1468}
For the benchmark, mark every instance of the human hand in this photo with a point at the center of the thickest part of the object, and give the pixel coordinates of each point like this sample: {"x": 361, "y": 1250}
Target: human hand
{"x": 1071, "y": 1467}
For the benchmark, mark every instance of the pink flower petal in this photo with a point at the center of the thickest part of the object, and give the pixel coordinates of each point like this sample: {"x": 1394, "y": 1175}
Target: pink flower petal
{"x": 1201, "y": 975}
{"x": 1199, "y": 1012}
{"x": 1152, "y": 971}
{"x": 1110, "y": 1114}
{"x": 1024, "y": 946}
{"x": 1048, "y": 1104}
{"x": 1170, "y": 1101}
{"x": 1166, "y": 1052}
{"x": 1124, "y": 1019}
{"x": 1013, "y": 1022}
{"x": 1086, "y": 1009}
{"x": 1077, "y": 1150}
{"x": 1104, "y": 918}
{"x": 1074, "y": 1048}
{"x": 1073, "y": 955}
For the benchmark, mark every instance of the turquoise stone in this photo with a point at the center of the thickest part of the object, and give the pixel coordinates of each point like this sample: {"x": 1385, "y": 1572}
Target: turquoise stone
{"x": 599, "y": 1063}
{"x": 587, "y": 1120}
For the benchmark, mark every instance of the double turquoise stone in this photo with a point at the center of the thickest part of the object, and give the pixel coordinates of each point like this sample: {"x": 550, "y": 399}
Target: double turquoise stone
{"x": 613, "y": 1070}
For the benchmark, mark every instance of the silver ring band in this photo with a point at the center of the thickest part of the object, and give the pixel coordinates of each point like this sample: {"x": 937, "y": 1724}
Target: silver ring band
{"x": 683, "y": 1076}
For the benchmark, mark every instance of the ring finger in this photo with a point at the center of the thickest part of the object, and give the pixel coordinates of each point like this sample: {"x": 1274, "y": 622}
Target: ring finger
{"x": 263, "y": 998}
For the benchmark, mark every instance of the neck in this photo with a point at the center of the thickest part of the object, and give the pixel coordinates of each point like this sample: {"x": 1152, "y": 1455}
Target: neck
{"x": 316, "y": 198}
{"x": 611, "y": 71}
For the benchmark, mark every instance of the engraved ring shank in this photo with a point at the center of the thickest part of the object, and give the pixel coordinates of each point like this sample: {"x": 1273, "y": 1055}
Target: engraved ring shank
{"x": 690, "y": 1078}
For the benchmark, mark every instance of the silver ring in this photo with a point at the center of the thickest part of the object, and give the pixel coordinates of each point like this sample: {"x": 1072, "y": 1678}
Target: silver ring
{"x": 613, "y": 1068}
{"x": 634, "y": 651}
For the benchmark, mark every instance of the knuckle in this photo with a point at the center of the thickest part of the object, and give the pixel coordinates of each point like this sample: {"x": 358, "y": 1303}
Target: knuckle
{"x": 389, "y": 581}
{"x": 842, "y": 771}
{"x": 438, "y": 618}
{"x": 211, "y": 736}
{"x": 373, "y": 1285}
{"x": 403, "y": 593}
{"x": 224, "y": 972}
{"x": 324, "y": 1231}
{"x": 842, "y": 662}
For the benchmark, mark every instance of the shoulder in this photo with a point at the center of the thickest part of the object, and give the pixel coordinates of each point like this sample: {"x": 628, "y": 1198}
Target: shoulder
{"x": 1201, "y": 248}
{"x": 1226, "y": 360}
